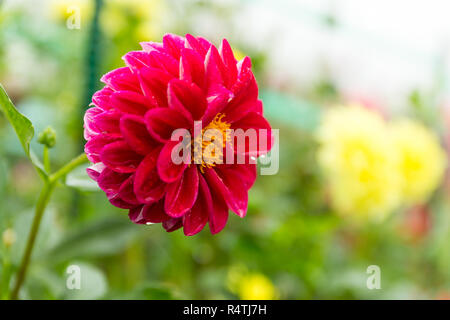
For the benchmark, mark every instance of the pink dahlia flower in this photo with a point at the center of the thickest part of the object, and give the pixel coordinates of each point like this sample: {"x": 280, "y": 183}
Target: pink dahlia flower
{"x": 164, "y": 87}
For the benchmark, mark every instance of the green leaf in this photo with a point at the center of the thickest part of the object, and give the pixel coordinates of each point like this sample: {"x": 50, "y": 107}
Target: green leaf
{"x": 102, "y": 238}
{"x": 93, "y": 284}
{"x": 22, "y": 126}
{"x": 80, "y": 180}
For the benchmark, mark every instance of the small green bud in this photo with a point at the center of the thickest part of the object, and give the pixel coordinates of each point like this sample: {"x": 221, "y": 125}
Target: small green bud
{"x": 47, "y": 137}
{"x": 9, "y": 237}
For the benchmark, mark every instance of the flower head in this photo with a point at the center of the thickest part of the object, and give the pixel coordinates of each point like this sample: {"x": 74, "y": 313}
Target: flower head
{"x": 422, "y": 161}
{"x": 374, "y": 166}
{"x": 187, "y": 84}
{"x": 257, "y": 287}
{"x": 359, "y": 162}
{"x": 250, "y": 285}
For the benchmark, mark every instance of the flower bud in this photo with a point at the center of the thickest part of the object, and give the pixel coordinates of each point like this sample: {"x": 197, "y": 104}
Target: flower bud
{"x": 47, "y": 137}
{"x": 9, "y": 237}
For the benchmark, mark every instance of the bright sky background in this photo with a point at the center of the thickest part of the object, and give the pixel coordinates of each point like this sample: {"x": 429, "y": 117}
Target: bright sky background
{"x": 382, "y": 49}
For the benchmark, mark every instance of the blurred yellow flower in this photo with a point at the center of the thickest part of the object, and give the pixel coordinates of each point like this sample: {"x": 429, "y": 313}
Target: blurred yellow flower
{"x": 422, "y": 161}
{"x": 257, "y": 287}
{"x": 147, "y": 15}
{"x": 61, "y": 10}
{"x": 250, "y": 286}
{"x": 359, "y": 162}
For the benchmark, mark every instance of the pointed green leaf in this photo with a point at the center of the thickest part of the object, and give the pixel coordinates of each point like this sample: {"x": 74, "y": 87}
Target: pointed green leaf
{"x": 22, "y": 126}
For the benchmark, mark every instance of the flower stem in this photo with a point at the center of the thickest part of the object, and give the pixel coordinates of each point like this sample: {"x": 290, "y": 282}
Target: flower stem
{"x": 46, "y": 158}
{"x": 40, "y": 207}
{"x": 43, "y": 200}
{"x": 61, "y": 173}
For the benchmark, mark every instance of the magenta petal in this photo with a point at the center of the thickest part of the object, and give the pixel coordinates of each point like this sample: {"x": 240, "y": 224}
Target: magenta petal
{"x": 181, "y": 194}
{"x": 120, "y": 157}
{"x": 197, "y": 217}
{"x": 135, "y": 133}
{"x": 137, "y": 59}
{"x": 258, "y": 107}
{"x": 95, "y": 145}
{"x": 217, "y": 101}
{"x": 167, "y": 170}
{"x": 173, "y": 44}
{"x": 118, "y": 202}
{"x": 245, "y": 89}
{"x": 154, "y": 82}
{"x": 126, "y": 191}
{"x": 110, "y": 181}
{"x": 101, "y": 98}
{"x": 136, "y": 215}
{"x": 206, "y": 44}
{"x": 244, "y": 66}
{"x": 214, "y": 69}
{"x": 231, "y": 188}
{"x": 247, "y": 172}
{"x": 236, "y": 111}
{"x": 148, "y": 187}
{"x": 172, "y": 224}
{"x": 194, "y": 44}
{"x": 107, "y": 122}
{"x": 192, "y": 67}
{"x": 95, "y": 170}
{"x": 125, "y": 197}
{"x": 90, "y": 127}
{"x": 187, "y": 97}
{"x": 161, "y": 122}
{"x": 218, "y": 217}
{"x": 263, "y": 131}
{"x": 130, "y": 102}
{"x": 164, "y": 61}
{"x": 154, "y": 213}
{"x": 229, "y": 61}
{"x": 150, "y": 46}
{"x": 121, "y": 79}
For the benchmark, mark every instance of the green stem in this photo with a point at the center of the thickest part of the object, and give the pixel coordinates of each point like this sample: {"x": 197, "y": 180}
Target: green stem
{"x": 40, "y": 207}
{"x": 6, "y": 275}
{"x": 43, "y": 200}
{"x": 61, "y": 173}
{"x": 46, "y": 158}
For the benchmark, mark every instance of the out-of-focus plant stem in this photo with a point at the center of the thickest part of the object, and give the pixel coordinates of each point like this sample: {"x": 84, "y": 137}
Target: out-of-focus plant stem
{"x": 44, "y": 197}
{"x": 91, "y": 71}
{"x": 40, "y": 207}
{"x": 46, "y": 158}
{"x": 6, "y": 274}
{"x": 61, "y": 173}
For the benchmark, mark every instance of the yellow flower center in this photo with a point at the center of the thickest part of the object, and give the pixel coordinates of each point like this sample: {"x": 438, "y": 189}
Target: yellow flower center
{"x": 208, "y": 147}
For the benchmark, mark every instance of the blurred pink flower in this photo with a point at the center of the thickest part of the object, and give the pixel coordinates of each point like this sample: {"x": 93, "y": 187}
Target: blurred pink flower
{"x": 164, "y": 87}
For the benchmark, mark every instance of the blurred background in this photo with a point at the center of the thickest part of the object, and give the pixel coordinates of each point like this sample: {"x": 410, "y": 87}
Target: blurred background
{"x": 360, "y": 92}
